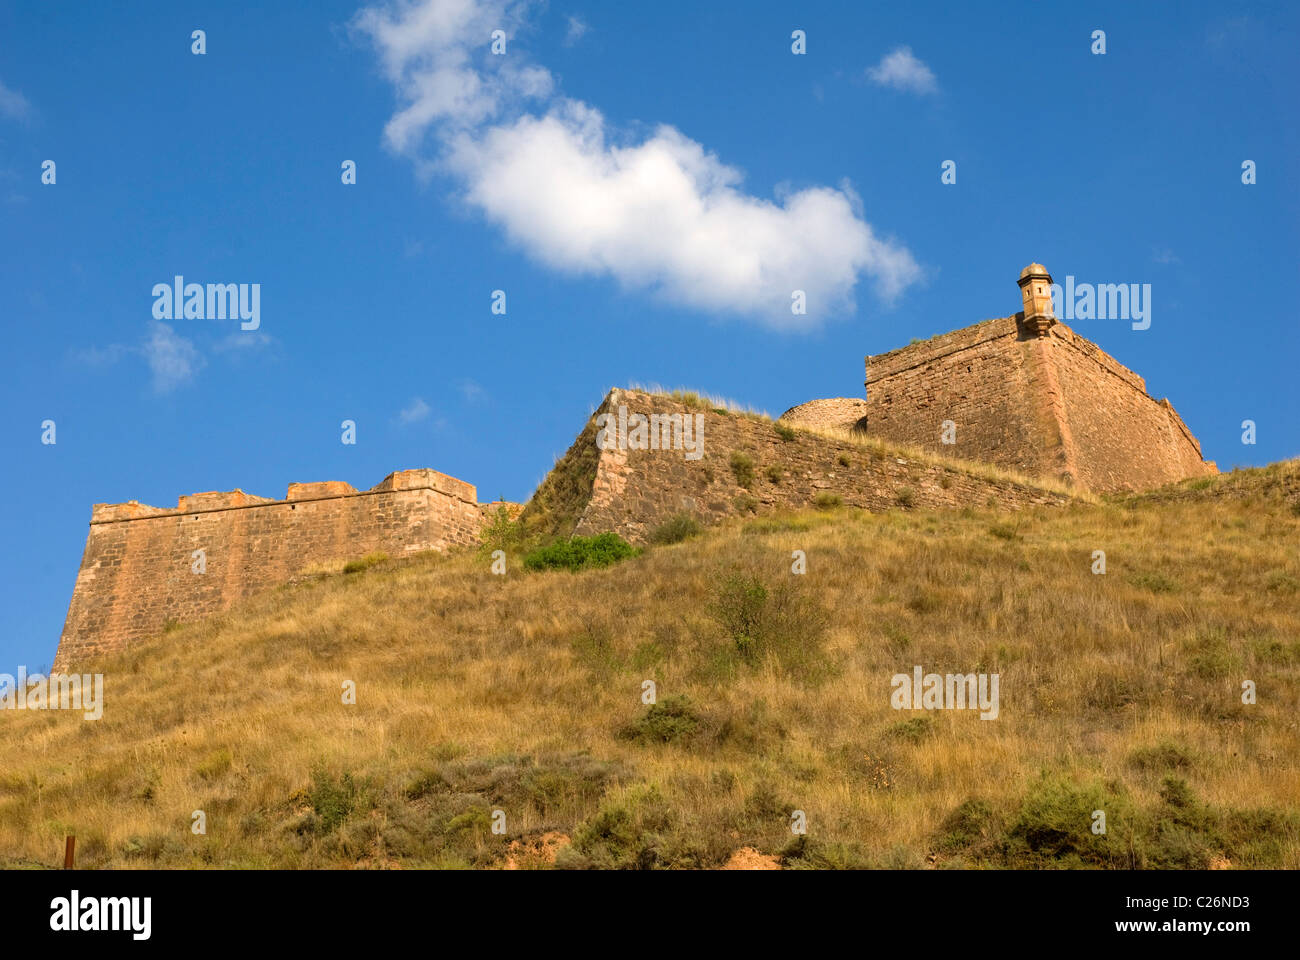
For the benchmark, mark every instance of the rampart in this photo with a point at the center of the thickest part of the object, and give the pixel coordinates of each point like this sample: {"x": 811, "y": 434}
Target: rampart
{"x": 1043, "y": 402}
{"x": 750, "y": 465}
{"x": 140, "y": 569}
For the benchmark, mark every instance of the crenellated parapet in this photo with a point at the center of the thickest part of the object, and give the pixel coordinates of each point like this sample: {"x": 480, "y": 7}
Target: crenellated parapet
{"x": 145, "y": 567}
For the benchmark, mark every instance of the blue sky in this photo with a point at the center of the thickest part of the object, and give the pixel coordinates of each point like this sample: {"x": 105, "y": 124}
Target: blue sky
{"x": 620, "y": 172}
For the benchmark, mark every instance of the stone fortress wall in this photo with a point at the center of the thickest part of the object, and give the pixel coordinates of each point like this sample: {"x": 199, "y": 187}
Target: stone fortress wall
{"x": 1023, "y": 392}
{"x": 137, "y": 572}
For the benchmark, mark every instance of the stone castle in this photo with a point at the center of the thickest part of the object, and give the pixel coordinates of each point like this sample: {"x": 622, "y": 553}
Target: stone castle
{"x": 1026, "y": 393}
{"x": 1022, "y": 392}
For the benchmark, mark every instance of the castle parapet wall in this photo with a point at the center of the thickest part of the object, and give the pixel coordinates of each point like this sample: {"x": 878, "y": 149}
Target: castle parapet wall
{"x": 1044, "y": 402}
{"x": 146, "y": 567}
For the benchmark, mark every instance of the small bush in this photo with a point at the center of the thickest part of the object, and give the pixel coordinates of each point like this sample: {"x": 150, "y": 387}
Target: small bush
{"x": 1155, "y": 582}
{"x": 972, "y": 825}
{"x": 739, "y": 609}
{"x": 843, "y": 460}
{"x": 913, "y": 730}
{"x": 365, "y": 563}
{"x": 1279, "y": 581}
{"x": 1211, "y": 657}
{"x": 803, "y": 853}
{"x": 1004, "y": 531}
{"x": 1162, "y": 756}
{"x": 671, "y": 719}
{"x": 675, "y": 529}
{"x": 827, "y": 501}
{"x": 502, "y": 533}
{"x": 1054, "y": 826}
{"x": 745, "y": 504}
{"x": 780, "y": 625}
{"x": 625, "y": 834}
{"x": 214, "y": 765}
{"x": 773, "y": 473}
{"x": 581, "y": 553}
{"x": 332, "y": 801}
{"x": 906, "y": 496}
{"x": 924, "y": 601}
{"x": 742, "y": 467}
{"x": 784, "y": 432}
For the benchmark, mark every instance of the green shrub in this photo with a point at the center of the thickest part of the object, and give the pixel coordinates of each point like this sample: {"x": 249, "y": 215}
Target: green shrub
{"x": 906, "y": 496}
{"x": 331, "y": 801}
{"x": 827, "y": 501}
{"x": 784, "y": 432}
{"x": 781, "y": 625}
{"x": 913, "y": 730}
{"x": 1163, "y": 756}
{"x": 844, "y": 460}
{"x": 742, "y": 466}
{"x": 773, "y": 473}
{"x": 1055, "y": 822}
{"x": 972, "y": 825}
{"x": 671, "y": 719}
{"x": 625, "y": 834}
{"x": 675, "y": 529}
{"x": 739, "y": 608}
{"x": 803, "y": 853}
{"x": 1281, "y": 582}
{"x": 502, "y": 533}
{"x": 1155, "y": 582}
{"x": 745, "y": 504}
{"x": 1211, "y": 656}
{"x": 581, "y": 553}
{"x": 365, "y": 563}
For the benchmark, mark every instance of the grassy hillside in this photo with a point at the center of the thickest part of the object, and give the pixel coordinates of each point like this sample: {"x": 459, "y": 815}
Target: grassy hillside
{"x": 475, "y": 693}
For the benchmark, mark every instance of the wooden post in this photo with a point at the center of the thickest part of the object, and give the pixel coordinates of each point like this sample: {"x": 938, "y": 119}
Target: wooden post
{"x": 67, "y": 852}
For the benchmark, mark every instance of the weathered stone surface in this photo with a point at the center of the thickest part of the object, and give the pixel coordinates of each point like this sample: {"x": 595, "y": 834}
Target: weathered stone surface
{"x": 1038, "y": 399}
{"x": 839, "y": 413}
{"x": 636, "y": 490}
{"x": 136, "y": 573}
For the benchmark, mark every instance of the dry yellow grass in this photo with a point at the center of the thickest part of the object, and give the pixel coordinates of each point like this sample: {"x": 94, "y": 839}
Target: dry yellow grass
{"x": 477, "y": 693}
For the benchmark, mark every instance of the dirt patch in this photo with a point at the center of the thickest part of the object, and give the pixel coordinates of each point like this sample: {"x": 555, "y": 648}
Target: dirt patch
{"x": 747, "y": 858}
{"x": 533, "y": 852}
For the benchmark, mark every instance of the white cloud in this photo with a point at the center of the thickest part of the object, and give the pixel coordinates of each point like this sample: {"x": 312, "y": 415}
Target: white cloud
{"x": 12, "y": 103}
{"x": 662, "y": 214}
{"x": 101, "y": 356}
{"x": 415, "y": 411}
{"x": 902, "y": 71}
{"x": 243, "y": 341}
{"x": 470, "y": 390}
{"x": 575, "y": 30}
{"x": 172, "y": 359}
